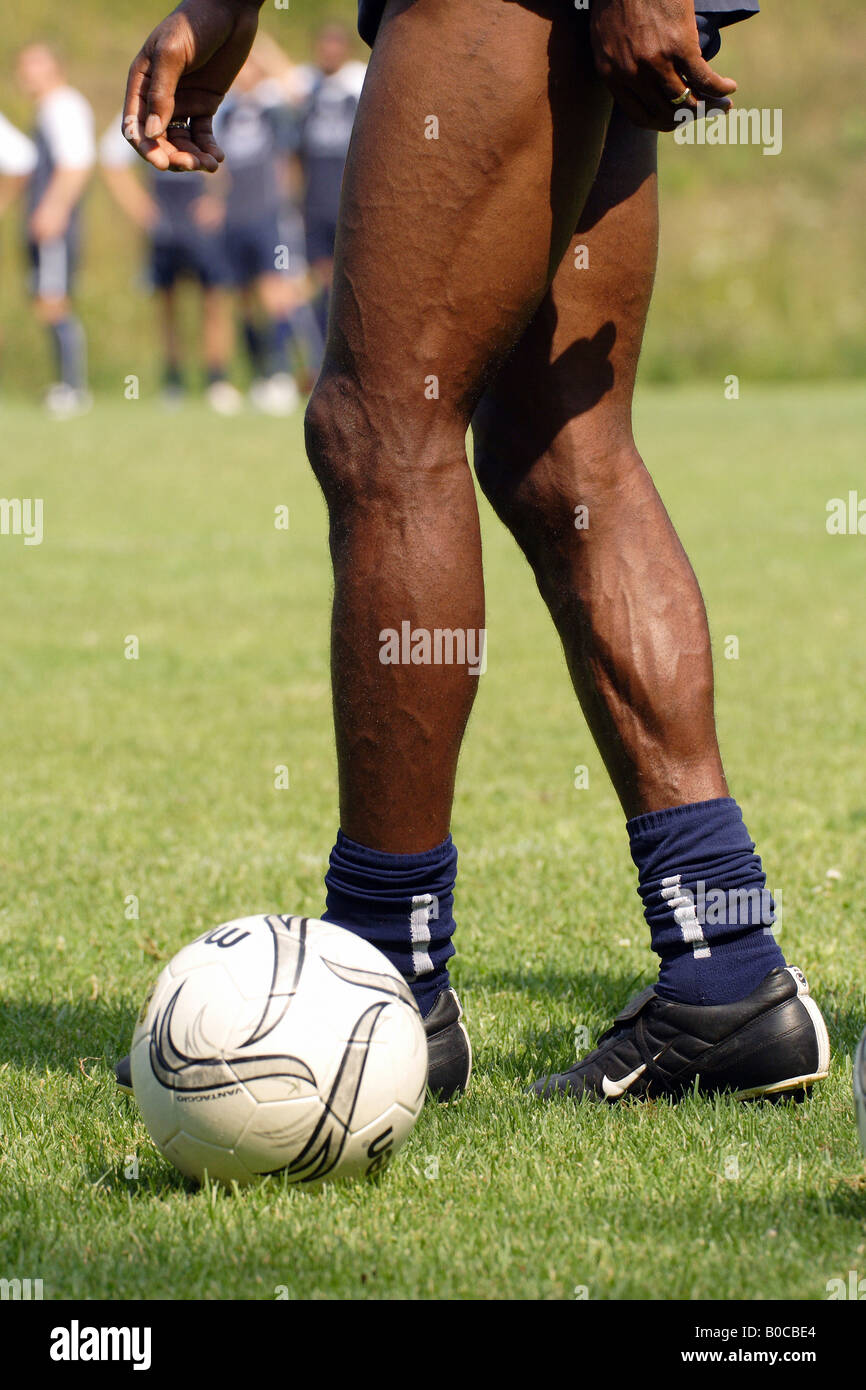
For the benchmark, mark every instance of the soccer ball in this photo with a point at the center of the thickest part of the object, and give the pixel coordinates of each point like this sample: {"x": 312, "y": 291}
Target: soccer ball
{"x": 279, "y": 1044}
{"x": 860, "y": 1089}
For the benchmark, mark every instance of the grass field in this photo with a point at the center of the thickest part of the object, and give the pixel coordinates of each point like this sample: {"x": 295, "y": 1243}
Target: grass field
{"x": 154, "y": 778}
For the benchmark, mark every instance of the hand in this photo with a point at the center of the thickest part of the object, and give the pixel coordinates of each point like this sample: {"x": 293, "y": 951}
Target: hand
{"x": 48, "y": 222}
{"x": 648, "y": 52}
{"x": 208, "y": 213}
{"x": 184, "y": 70}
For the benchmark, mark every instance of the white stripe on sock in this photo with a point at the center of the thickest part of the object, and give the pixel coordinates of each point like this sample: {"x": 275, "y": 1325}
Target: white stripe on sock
{"x": 682, "y": 904}
{"x": 419, "y": 927}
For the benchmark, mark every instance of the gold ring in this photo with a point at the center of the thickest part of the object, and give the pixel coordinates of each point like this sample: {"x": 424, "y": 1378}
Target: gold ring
{"x": 681, "y": 100}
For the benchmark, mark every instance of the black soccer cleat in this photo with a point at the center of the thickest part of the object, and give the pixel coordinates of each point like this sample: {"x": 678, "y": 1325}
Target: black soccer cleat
{"x": 773, "y": 1041}
{"x": 449, "y": 1051}
{"x": 123, "y": 1073}
{"x": 448, "y": 1046}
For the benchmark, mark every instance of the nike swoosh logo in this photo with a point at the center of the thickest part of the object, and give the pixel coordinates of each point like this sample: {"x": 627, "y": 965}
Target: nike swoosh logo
{"x": 614, "y": 1089}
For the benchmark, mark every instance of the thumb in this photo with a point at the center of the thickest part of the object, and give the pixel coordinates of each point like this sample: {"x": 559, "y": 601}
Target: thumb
{"x": 166, "y": 68}
{"x": 704, "y": 81}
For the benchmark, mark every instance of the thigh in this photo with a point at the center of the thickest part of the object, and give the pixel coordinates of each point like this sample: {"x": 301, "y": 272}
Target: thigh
{"x": 164, "y": 265}
{"x": 209, "y": 260}
{"x": 251, "y": 249}
{"x": 477, "y": 139}
{"x": 566, "y": 390}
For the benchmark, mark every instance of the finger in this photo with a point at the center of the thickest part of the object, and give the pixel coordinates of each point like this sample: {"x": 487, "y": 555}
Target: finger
{"x": 710, "y": 104}
{"x": 645, "y": 103}
{"x": 623, "y": 90}
{"x": 666, "y": 95}
{"x": 134, "y": 103}
{"x": 628, "y": 99}
{"x": 181, "y": 146}
{"x": 166, "y": 68}
{"x": 152, "y": 151}
{"x": 703, "y": 80}
{"x": 180, "y": 151}
{"x": 671, "y": 88}
{"x": 164, "y": 154}
{"x": 201, "y": 130}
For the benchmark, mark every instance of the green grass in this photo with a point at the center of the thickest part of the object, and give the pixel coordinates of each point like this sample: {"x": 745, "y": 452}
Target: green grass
{"x": 154, "y": 778}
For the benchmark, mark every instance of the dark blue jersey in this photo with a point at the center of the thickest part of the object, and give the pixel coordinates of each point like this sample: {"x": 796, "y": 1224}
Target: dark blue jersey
{"x": 325, "y": 124}
{"x": 723, "y": 12}
{"x": 174, "y": 194}
{"x": 257, "y": 130}
{"x": 43, "y": 170}
{"x": 727, "y": 11}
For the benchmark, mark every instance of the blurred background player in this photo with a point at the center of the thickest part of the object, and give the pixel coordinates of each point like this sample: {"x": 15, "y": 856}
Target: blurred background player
{"x": 256, "y": 127}
{"x": 63, "y": 140}
{"x": 330, "y": 88}
{"x": 183, "y": 222}
{"x": 17, "y": 162}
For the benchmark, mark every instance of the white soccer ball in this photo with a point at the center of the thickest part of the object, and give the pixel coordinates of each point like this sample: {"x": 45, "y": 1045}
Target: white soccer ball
{"x": 279, "y": 1044}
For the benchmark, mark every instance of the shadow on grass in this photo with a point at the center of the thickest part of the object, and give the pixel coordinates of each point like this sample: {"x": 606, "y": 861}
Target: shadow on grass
{"x": 154, "y": 1177}
{"x": 591, "y": 989}
{"x": 592, "y": 999}
{"x": 68, "y": 1036}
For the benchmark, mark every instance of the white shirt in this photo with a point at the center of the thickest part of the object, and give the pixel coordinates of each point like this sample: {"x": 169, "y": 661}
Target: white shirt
{"x": 17, "y": 153}
{"x": 64, "y": 119}
{"x": 347, "y": 80}
{"x": 115, "y": 151}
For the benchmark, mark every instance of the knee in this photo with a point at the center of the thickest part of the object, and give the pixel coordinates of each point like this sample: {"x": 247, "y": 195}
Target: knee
{"x": 52, "y": 309}
{"x": 368, "y": 447}
{"x": 546, "y": 490}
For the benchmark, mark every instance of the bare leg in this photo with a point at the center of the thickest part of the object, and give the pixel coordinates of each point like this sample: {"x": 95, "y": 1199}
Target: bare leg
{"x": 476, "y": 142}
{"x": 553, "y": 434}
{"x": 55, "y": 311}
{"x": 171, "y": 345}
{"x": 217, "y": 330}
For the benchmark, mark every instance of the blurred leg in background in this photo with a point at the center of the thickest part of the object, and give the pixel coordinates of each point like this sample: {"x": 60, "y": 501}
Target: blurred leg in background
{"x": 53, "y": 267}
{"x": 218, "y": 346}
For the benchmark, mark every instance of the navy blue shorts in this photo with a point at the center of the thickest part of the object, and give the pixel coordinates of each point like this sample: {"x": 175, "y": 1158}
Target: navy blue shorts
{"x": 710, "y": 21}
{"x": 321, "y": 233}
{"x": 188, "y": 255}
{"x": 252, "y": 247}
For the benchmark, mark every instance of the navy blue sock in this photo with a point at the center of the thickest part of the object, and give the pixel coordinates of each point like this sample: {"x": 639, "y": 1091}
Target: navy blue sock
{"x": 706, "y": 901}
{"x": 70, "y": 350}
{"x": 403, "y": 904}
{"x": 282, "y": 337}
{"x": 256, "y": 344}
